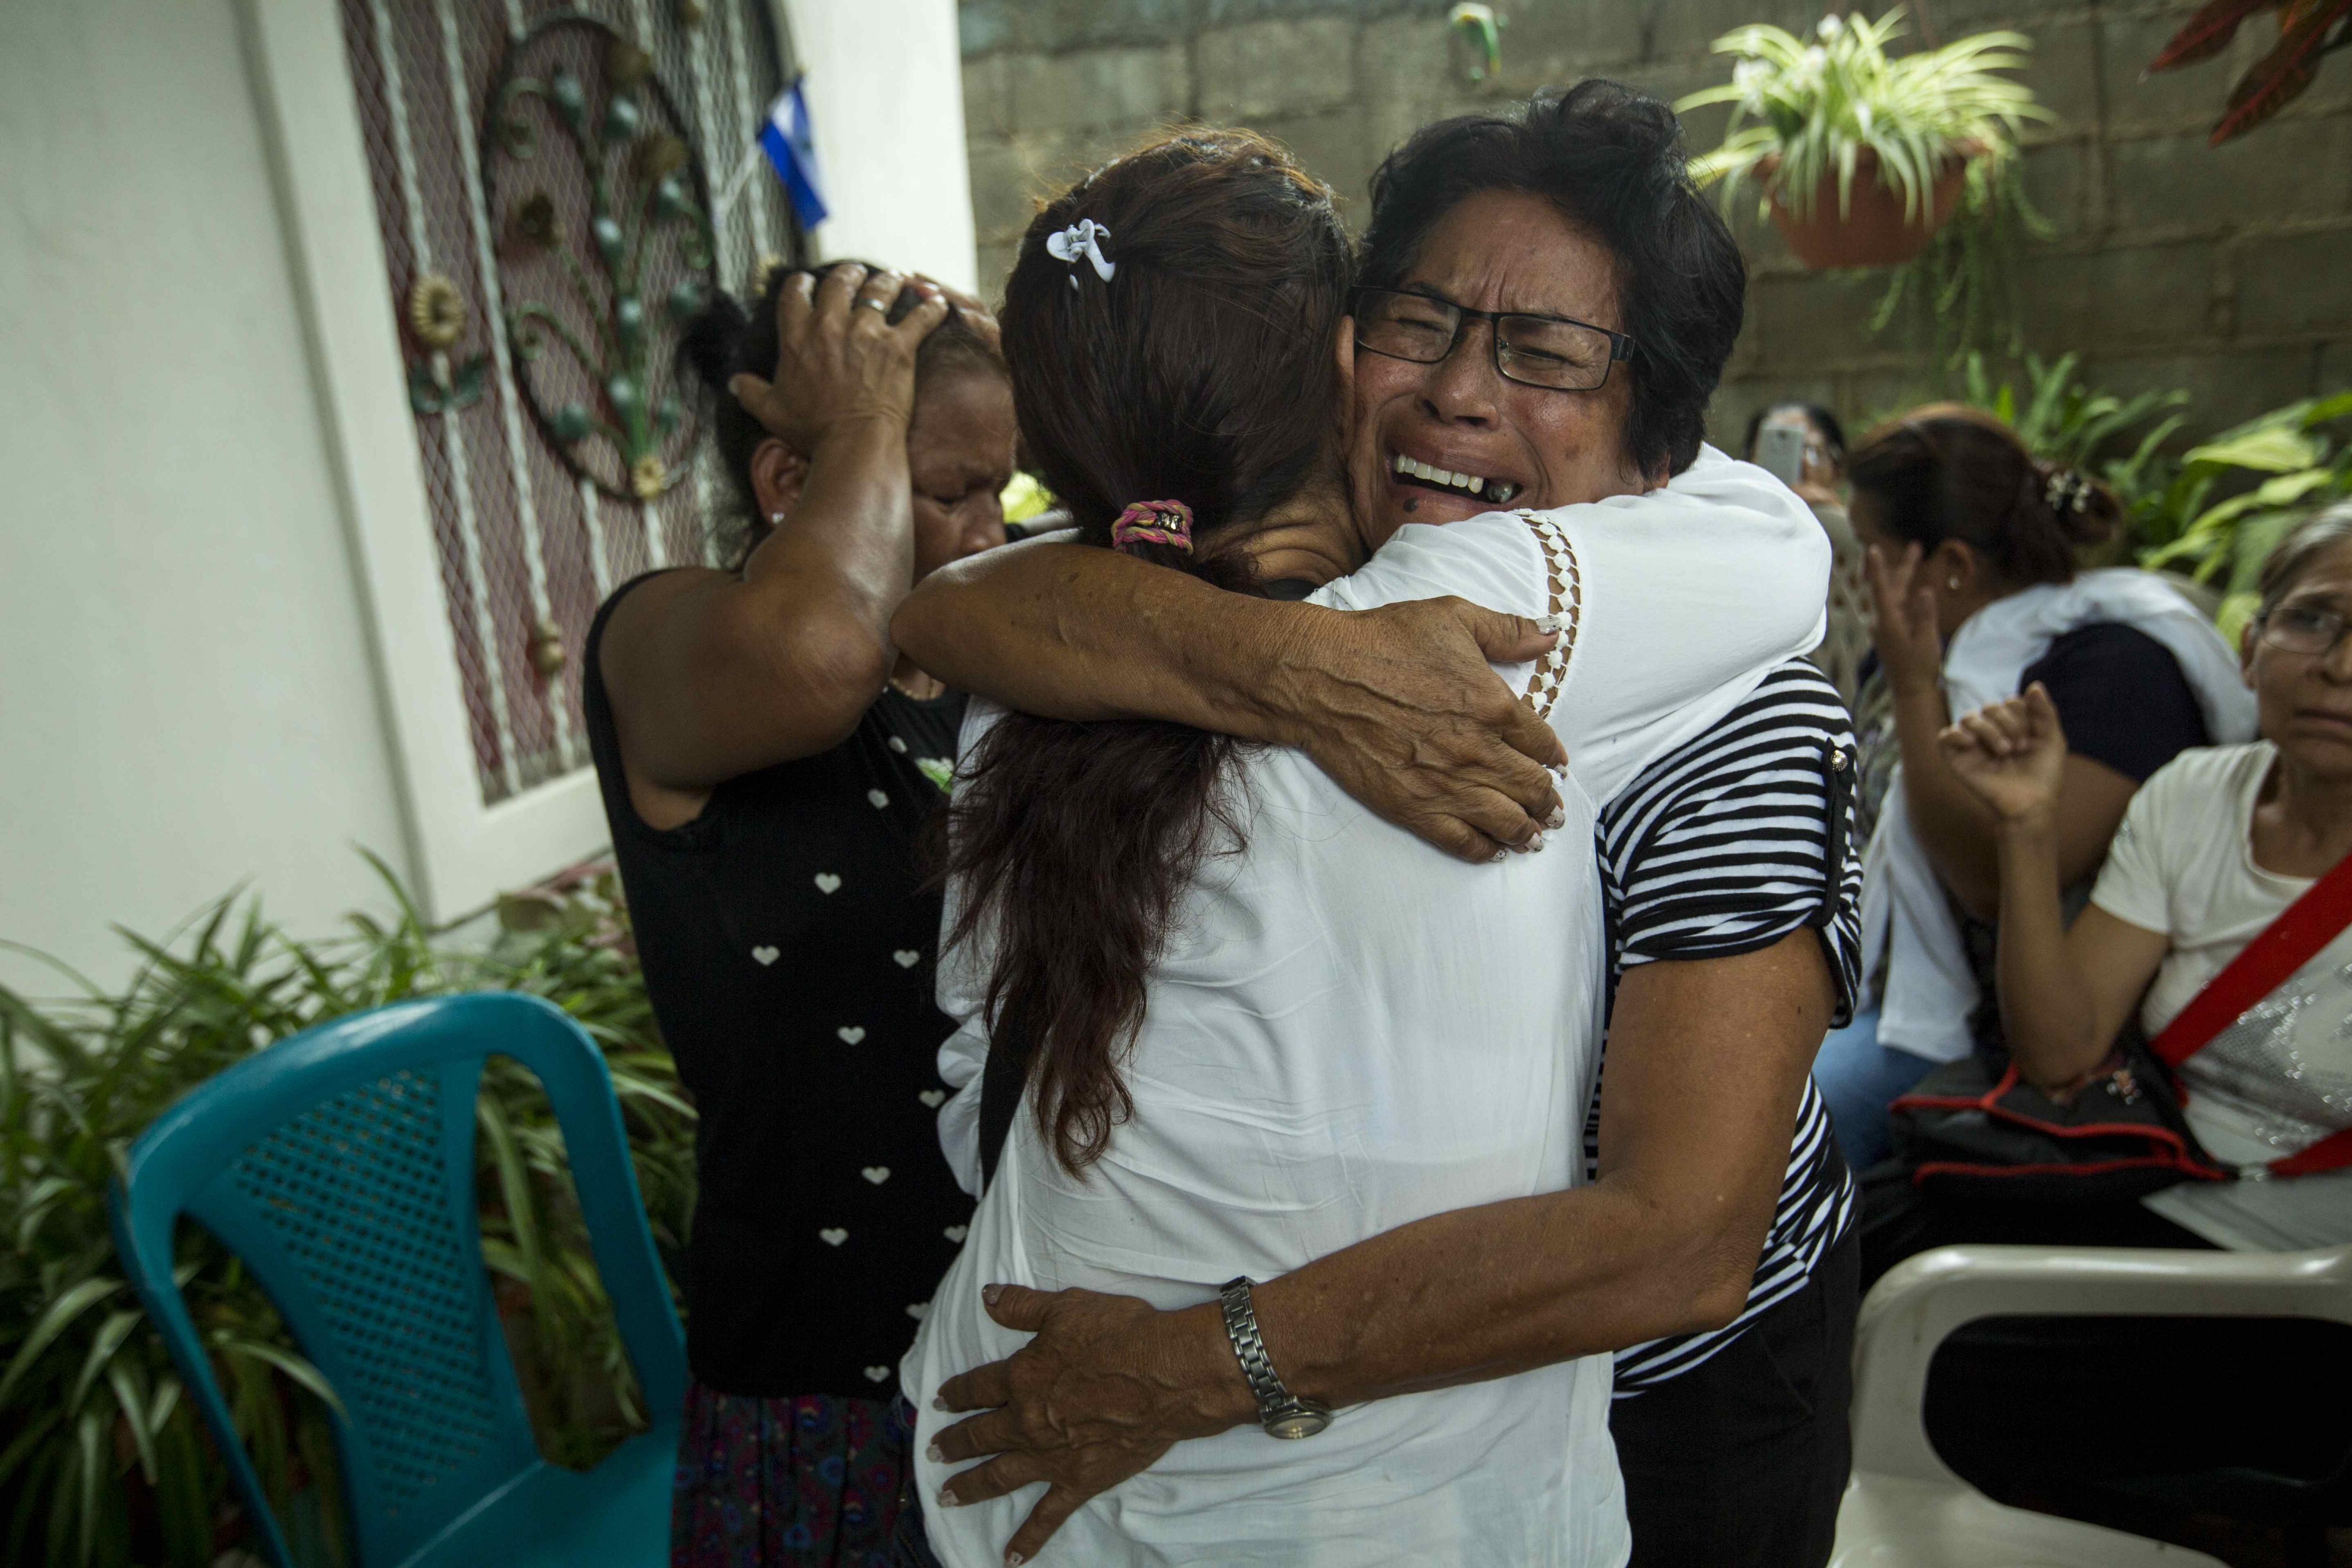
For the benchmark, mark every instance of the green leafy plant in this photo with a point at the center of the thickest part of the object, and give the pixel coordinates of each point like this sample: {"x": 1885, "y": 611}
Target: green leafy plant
{"x": 1840, "y": 109}
{"x": 2280, "y": 468}
{"x": 1818, "y": 107}
{"x": 2061, "y": 420}
{"x": 2307, "y": 30}
{"x": 103, "y": 1460}
{"x": 1960, "y": 295}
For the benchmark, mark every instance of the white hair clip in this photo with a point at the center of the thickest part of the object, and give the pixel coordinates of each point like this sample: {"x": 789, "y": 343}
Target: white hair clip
{"x": 1085, "y": 239}
{"x": 2067, "y": 491}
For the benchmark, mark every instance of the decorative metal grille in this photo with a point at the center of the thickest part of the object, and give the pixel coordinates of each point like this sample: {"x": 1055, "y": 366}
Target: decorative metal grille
{"x": 543, "y": 178}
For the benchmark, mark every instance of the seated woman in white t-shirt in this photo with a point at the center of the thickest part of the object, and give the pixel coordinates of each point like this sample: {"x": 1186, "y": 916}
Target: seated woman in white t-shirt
{"x": 1248, "y": 1024}
{"x": 2214, "y": 847}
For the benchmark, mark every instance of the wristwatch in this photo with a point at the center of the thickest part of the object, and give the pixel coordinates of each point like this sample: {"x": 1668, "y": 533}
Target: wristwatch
{"x": 1280, "y": 1412}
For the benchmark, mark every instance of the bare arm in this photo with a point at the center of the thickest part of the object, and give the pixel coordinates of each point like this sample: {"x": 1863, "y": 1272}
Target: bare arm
{"x": 2064, "y": 995}
{"x": 1399, "y": 705}
{"x": 1955, "y": 827}
{"x": 1706, "y": 1065}
{"x": 713, "y": 675}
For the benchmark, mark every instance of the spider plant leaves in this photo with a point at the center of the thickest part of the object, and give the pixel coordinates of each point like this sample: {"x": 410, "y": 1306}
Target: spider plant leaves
{"x": 53, "y": 1322}
{"x": 102, "y": 1346}
{"x": 2205, "y": 35}
{"x": 123, "y": 1380}
{"x": 27, "y": 1443}
{"x": 2282, "y": 75}
{"x": 1804, "y": 113}
{"x": 236, "y": 1347}
{"x": 99, "y": 1448}
{"x": 91, "y": 1435}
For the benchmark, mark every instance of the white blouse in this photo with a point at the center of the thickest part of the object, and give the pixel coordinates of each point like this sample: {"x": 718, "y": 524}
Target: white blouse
{"x": 2183, "y": 864}
{"x": 1348, "y": 1031}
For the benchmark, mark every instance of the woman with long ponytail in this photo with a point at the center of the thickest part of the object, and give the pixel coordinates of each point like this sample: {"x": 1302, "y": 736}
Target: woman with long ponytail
{"x": 1973, "y": 549}
{"x": 1220, "y": 1024}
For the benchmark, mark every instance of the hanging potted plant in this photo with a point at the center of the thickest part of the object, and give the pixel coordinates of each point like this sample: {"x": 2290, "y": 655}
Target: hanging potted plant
{"x": 1859, "y": 156}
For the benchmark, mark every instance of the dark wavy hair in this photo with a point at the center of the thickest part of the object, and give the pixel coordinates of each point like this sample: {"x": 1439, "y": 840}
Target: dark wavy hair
{"x": 1949, "y": 471}
{"x": 1611, "y": 160}
{"x": 1201, "y": 372}
{"x": 725, "y": 341}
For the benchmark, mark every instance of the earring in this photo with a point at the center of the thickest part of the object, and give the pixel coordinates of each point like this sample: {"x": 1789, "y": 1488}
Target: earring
{"x": 777, "y": 518}
{"x": 1951, "y": 582}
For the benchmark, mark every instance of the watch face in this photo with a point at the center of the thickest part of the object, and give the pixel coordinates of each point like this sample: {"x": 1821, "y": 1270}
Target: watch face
{"x": 1298, "y": 1423}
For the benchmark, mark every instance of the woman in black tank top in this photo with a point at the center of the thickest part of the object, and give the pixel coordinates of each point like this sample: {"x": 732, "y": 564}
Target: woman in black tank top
{"x": 768, "y": 761}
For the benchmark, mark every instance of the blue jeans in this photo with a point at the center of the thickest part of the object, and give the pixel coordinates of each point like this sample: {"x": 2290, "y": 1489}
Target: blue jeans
{"x": 1857, "y": 1077}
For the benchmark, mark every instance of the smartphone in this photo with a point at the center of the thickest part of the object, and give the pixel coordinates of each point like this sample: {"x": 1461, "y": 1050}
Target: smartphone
{"x": 1780, "y": 452}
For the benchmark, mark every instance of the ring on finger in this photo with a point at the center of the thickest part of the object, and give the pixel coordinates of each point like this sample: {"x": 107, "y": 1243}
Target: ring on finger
{"x": 867, "y": 300}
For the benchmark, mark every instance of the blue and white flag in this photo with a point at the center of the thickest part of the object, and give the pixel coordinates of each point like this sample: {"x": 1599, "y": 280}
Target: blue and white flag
{"x": 786, "y": 140}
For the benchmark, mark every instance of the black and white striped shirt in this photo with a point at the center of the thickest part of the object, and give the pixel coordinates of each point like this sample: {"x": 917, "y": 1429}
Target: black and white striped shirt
{"x": 1718, "y": 849}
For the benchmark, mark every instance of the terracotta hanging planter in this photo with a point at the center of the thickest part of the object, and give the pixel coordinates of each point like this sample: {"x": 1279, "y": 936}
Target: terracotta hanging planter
{"x": 1875, "y": 231}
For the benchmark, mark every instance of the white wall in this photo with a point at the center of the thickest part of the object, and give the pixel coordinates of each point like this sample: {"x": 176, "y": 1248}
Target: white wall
{"x": 191, "y": 694}
{"x": 885, "y": 92}
{"x": 185, "y": 694}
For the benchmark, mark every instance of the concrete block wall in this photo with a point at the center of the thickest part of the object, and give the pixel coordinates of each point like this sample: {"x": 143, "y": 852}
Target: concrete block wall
{"x": 2225, "y": 272}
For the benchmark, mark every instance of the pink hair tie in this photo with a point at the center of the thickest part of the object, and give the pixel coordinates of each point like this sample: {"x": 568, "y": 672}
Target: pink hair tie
{"x": 1168, "y": 522}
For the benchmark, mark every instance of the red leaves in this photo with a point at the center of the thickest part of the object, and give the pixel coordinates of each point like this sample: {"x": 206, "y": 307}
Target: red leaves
{"x": 2280, "y": 76}
{"x": 2276, "y": 80}
{"x": 2206, "y": 34}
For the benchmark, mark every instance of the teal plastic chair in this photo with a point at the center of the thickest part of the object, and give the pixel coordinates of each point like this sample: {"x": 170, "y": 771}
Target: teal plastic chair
{"x": 338, "y": 1166}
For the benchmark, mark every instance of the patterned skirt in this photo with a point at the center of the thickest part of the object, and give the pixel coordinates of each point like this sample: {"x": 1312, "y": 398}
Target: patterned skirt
{"x": 813, "y": 1481}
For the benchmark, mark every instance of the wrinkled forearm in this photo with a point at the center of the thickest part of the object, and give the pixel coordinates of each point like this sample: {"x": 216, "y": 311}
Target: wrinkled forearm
{"x": 1490, "y": 1291}
{"x": 1071, "y": 631}
{"x": 1707, "y": 1064}
{"x": 1471, "y": 1295}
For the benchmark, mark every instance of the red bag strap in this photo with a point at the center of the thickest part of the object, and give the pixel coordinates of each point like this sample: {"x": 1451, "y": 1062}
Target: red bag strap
{"x": 2278, "y": 949}
{"x": 2332, "y": 1153}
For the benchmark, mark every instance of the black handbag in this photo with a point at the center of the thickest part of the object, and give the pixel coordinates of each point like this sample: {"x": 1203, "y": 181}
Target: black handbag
{"x": 1975, "y": 1129}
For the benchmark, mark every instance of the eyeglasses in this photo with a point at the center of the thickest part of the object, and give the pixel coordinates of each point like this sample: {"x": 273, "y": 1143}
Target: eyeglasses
{"x": 2302, "y": 628}
{"x": 1551, "y": 351}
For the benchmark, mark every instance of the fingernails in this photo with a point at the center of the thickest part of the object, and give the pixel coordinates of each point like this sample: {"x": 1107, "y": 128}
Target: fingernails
{"x": 938, "y": 1401}
{"x": 1013, "y": 1560}
{"x": 1558, "y": 817}
{"x": 934, "y": 1456}
{"x": 1548, "y": 624}
{"x": 1535, "y": 842}
{"x": 948, "y": 1498}
{"x": 989, "y": 1293}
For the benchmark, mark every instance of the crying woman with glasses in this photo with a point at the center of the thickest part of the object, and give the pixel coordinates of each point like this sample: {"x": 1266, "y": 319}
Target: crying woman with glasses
{"x": 1542, "y": 307}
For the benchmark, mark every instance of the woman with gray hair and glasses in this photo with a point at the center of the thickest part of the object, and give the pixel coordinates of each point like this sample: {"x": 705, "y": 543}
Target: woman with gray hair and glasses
{"x": 2212, "y": 851}
{"x": 1542, "y": 308}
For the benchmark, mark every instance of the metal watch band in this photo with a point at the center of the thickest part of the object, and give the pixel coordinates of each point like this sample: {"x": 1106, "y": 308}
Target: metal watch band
{"x": 1282, "y": 1414}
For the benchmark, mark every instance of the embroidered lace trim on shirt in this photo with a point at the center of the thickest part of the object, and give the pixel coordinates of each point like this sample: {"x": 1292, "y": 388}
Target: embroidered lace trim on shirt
{"x": 1567, "y": 588}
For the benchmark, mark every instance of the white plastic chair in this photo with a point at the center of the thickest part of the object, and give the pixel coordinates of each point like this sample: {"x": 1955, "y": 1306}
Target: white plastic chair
{"x": 1906, "y": 1509}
